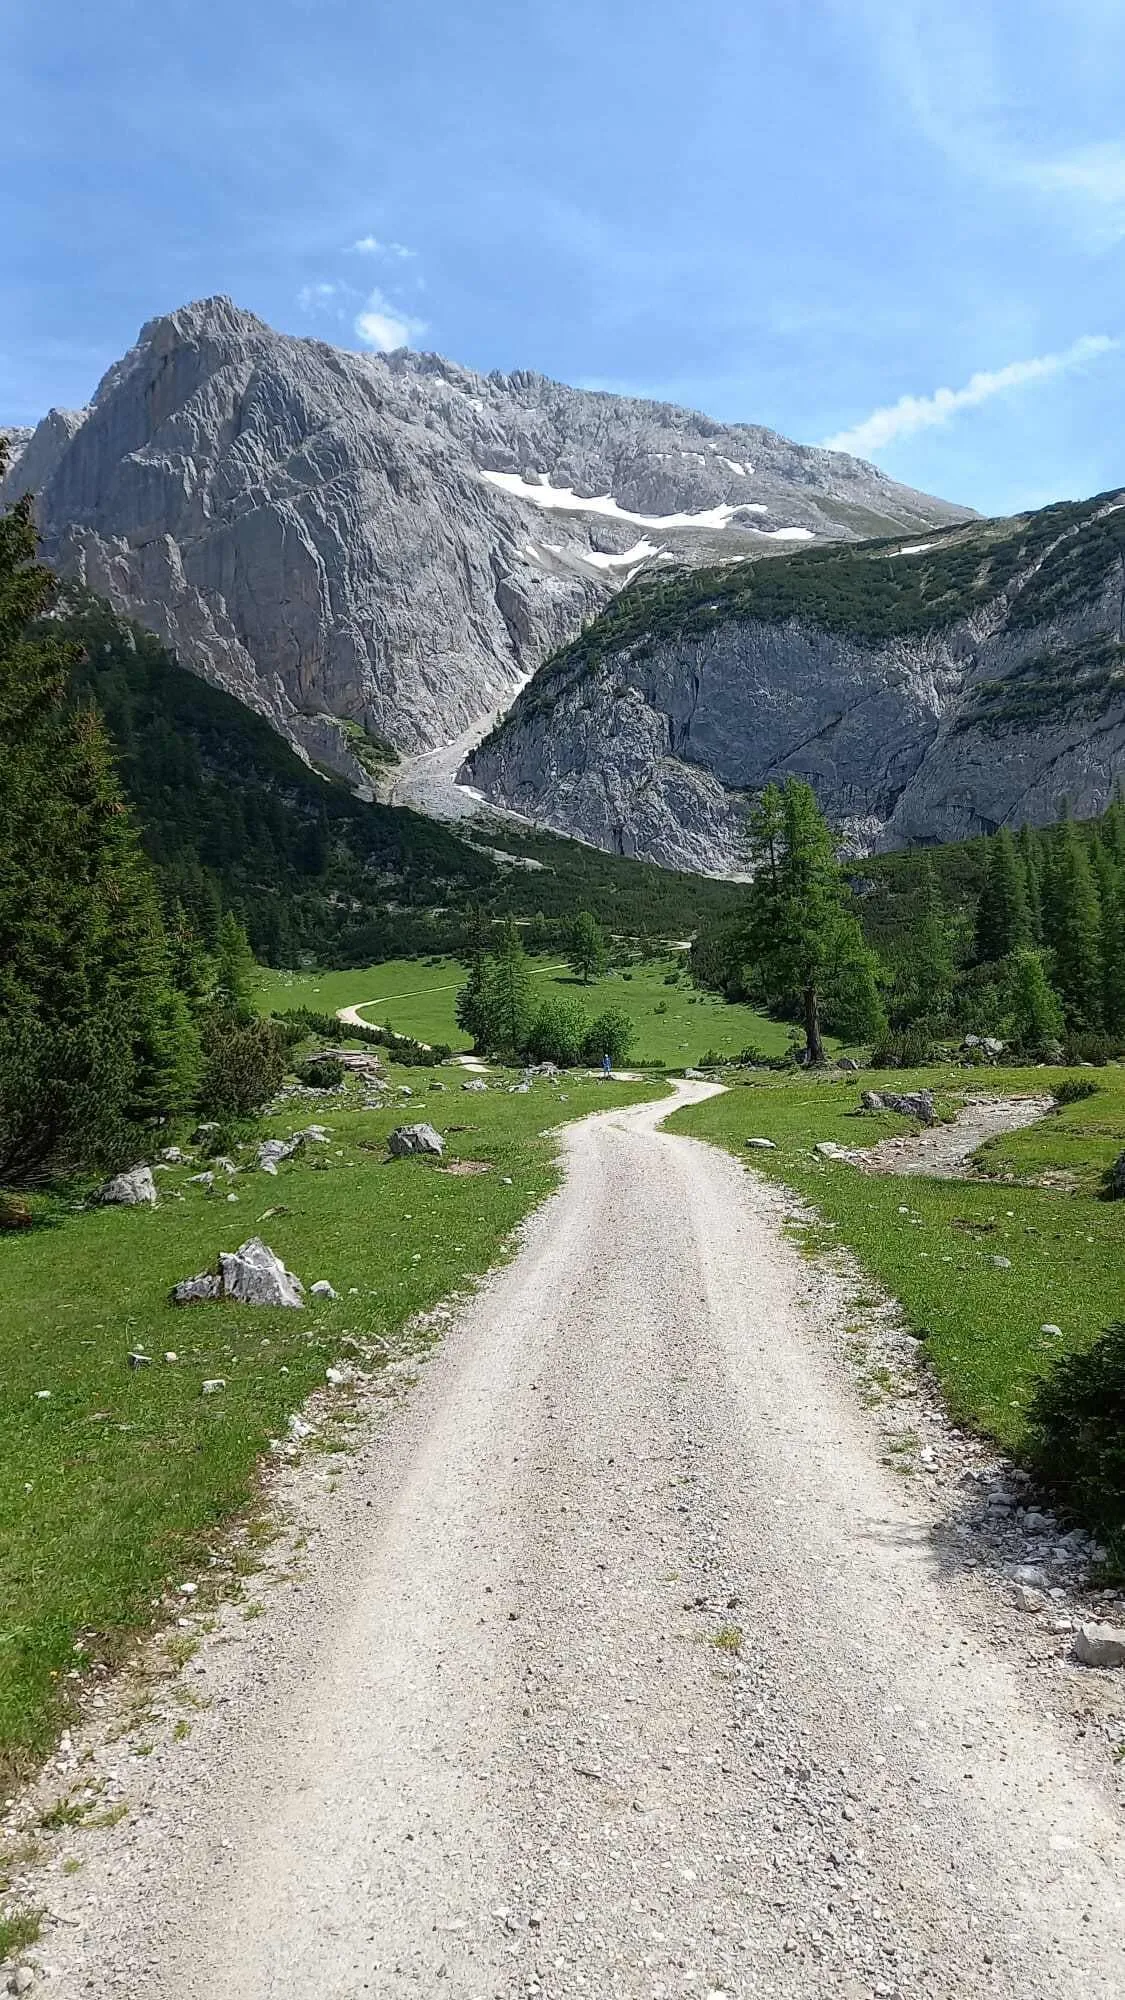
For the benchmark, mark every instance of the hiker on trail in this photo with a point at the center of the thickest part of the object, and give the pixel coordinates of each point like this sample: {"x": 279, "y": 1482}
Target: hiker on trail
{"x": 607, "y": 1067}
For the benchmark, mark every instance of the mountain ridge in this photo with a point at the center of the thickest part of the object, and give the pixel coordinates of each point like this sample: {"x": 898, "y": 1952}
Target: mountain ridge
{"x": 393, "y": 542}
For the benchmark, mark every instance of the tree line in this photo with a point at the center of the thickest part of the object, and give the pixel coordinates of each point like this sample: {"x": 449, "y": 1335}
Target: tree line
{"x": 1032, "y": 952}
{"x": 113, "y": 1014}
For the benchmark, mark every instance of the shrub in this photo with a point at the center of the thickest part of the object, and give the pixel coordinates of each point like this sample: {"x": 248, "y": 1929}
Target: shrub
{"x": 1073, "y": 1089}
{"x": 611, "y": 1034}
{"x": 1091, "y": 1048}
{"x": 661, "y": 1007}
{"x": 558, "y": 1033}
{"x": 1077, "y": 1434}
{"x": 244, "y": 1063}
{"x": 903, "y": 1048}
{"x": 321, "y": 1072}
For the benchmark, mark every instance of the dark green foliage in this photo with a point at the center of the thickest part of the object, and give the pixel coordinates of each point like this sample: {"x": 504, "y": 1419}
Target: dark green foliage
{"x": 1077, "y": 1429}
{"x": 587, "y": 952}
{"x": 1075, "y": 1089}
{"x": 321, "y": 1072}
{"x": 1072, "y": 928}
{"x": 243, "y": 1063}
{"x": 610, "y": 1034}
{"x": 802, "y": 937}
{"x": 1033, "y": 1017}
{"x": 903, "y": 1048}
{"x": 559, "y": 1032}
{"x": 91, "y": 1041}
{"x": 1003, "y": 913}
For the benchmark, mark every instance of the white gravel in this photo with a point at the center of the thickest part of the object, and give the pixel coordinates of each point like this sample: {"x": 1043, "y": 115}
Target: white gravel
{"x": 622, "y": 1667}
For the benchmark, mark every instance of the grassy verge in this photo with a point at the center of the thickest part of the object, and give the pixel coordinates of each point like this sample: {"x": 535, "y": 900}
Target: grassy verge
{"x": 674, "y": 1024}
{"x": 933, "y": 1243}
{"x": 114, "y": 1481}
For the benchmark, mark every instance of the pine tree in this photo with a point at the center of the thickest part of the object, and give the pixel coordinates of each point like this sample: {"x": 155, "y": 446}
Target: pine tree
{"x": 587, "y": 954}
{"x": 1072, "y": 929}
{"x": 235, "y": 970}
{"x": 926, "y": 973}
{"x": 1003, "y": 916}
{"x": 509, "y": 1003}
{"x": 85, "y": 970}
{"x": 805, "y": 943}
{"x": 1034, "y": 1017}
{"x": 1111, "y": 900}
{"x": 1030, "y": 851}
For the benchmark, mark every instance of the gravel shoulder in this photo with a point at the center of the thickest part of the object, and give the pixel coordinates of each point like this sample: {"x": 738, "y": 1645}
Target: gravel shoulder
{"x": 618, "y": 1664}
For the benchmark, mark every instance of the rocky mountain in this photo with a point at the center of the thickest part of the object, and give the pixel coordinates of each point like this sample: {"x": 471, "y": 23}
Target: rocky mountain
{"x": 387, "y": 545}
{"x": 929, "y": 691}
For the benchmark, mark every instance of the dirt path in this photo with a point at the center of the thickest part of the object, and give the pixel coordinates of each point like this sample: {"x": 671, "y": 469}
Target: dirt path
{"x": 623, "y": 1670}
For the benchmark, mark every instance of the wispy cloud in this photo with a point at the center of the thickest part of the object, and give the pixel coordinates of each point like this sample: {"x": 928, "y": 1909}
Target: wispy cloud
{"x": 316, "y": 298}
{"x": 373, "y": 246}
{"x": 384, "y": 325}
{"x": 921, "y": 413}
{"x": 994, "y": 113}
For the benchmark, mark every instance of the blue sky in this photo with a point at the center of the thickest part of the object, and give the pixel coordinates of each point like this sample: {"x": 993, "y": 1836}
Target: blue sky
{"x": 888, "y": 224}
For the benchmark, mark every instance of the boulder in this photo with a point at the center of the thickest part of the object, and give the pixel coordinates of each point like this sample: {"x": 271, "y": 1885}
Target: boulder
{"x": 1100, "y": 1645}
{"x": 408, "y": 1139}
{"x": 135, "y": 1189}
{"x": 252, "y": 1275}
{"x": 323, "y": 1290}
{"x": 271, "y": 1152}
{"x": 761, "y": 1145}
{"x": 475, "y": 1083}
{"x": 917, "y": 1104}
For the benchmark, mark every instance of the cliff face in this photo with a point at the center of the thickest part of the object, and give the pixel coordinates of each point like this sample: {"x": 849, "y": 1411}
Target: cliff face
{"x": 928, "y": 693}
{"x": 393, "y": 541}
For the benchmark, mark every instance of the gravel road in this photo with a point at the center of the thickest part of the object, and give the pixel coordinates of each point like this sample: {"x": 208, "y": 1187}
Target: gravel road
{"x": 623, "y": 1669}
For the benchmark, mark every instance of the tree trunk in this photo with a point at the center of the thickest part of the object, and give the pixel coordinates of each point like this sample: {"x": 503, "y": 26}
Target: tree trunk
{"x": 814, "y": 1047}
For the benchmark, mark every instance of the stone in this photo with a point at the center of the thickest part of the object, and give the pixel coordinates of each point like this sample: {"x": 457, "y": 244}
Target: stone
{"x": 1030, "y": 1576}
{"x": 255, "y": 1275}
{"x": 1001, "y": 1263}
{"x": 849, "y": 1063}
{"x": 139, "y": 1360}
{"x": 917, "y": 1104}
{"x": 299, "y": 1429}
{"x": 251, "y": 1275}
{"x": 204, "y": 1180}
{"x": 475, "y": 1083}
{"x": 1053, "y": 1332}
{"x": 991, "y": 1046}
{"x": 205, "y": 1287}
{"x": 694, "y": 1076}
{"x": 1027, "y": 1599}
{"x": 135, "y": 1189}
{"x": 408, "y": 1139}
{"x": 171, "y": 1356}
{"x": 1098, "y": 1645}
{"x": 173, "y": 1157}
{"x": 214, "y": 1385}
{"x": 323, "y": 1290}
{"x": 761, "y": 1145}
{"x": 21, "y": 1980}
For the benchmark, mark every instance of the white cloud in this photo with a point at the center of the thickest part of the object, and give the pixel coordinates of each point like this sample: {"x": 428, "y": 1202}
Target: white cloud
{"x": 384, "y": 326}
{"x": 921, "y": 413}
{"x": 371, "y": 246}
{"x": 313, "y": 298}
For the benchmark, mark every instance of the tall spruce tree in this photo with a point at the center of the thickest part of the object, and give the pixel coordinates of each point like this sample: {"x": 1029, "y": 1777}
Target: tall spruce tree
{"x": 1003, "y": 916}
{"x": 89, "y": 1036}
{"x": 926, "y": 974}
{"x": 1072, "y": 928}
{"x": 805, "y": 943}
{"x": 509, "y": 1004}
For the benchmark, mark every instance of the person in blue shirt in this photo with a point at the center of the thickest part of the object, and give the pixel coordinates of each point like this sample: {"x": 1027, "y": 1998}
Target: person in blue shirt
{"x": 607, "y": 1067}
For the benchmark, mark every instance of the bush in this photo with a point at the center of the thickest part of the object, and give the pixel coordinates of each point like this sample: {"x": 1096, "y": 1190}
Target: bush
{"x": 1073, "y": 1089}
{"x": 1091, "y": 1048}
{"x": 1077, "y": 1434}
{"x": 903, "y": 1048}
{"x": 244, "y": 1063}
{"x": 558, "y": 1033}
{"x": 321, "y": 1073}
{"x": 661, "y": 1007}
{"x": 610, "y": 1034}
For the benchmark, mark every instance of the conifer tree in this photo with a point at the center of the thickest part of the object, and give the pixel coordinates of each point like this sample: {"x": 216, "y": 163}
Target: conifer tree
{"x": 1030, "y": 853}
{"x": 805, "y": 943}
{"x": 509, "y": 1004}
{"x": 1111, "y": 901}
{"x": 1072, "y": 929}
{"x": 1003, "y": 917}
{"x": 587, "y": 954}
{"x": 1034, "y": 1019}
{"x": 926, "y": 974}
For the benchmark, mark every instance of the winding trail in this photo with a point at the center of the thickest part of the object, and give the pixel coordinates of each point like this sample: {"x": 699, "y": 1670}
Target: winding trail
{"x": 625, "y": 1670}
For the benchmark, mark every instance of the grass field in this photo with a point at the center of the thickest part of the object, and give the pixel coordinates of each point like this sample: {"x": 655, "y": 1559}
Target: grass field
{"x": 416, "y": 996}
{"x": 114, "y": 1481}
{"x": 932, "y": 1243}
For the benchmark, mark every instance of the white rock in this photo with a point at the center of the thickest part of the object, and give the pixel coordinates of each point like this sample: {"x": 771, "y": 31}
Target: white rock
{"x": 214, "y": 1386}
{"x": 1100, "y": 1645}
{"x": 323, "y": 1290}
{"x": 761, "y": 1145}
{"x": 1054, "y": 1331}
{"x": 475, "y": 1083}
{"x": 135, "y": 1189}
{"x": 1028, "y": 1599}
{"x": 170, "y": 1356}
{"x": 200, "y": 1290}
{"x": 22, "y": 1980}
{"x": 206, "y": 1180}
{"x": 254, "y": 1275}
{"x": 1001, "y": 1263}
{"x": 299, "y": 1429}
